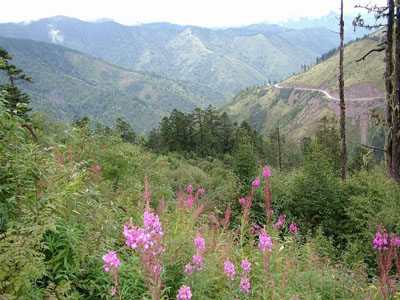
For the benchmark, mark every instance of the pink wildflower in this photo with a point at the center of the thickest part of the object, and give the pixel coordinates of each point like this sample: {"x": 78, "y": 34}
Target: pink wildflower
{"x": 189, "y": 269}
{"x": 199, "y": 244}
{"x": 380, "y": 242}
{"x": 242, "y": 201}
{"x": 113, "y": 292}
{"x": 230, "y": 270}
{"x": 198, "y": 262}
{"x": 265, "y": 241}
{"x": 281, "y": 220}
{"x": 188, "y": 203}
{"x": 246, "y": 266}
{"x": 266, "y": 173}
{"x": 293, "y": 228}
{"x": 271, "y": 212}
{"x": 200, "y": 191}
{"x": 394, "y": 241}
{"x": 256, "y": 182}
{"x": 97, "y": 167}
{"x": 244, "y": 285}
{"x": 184, "y": 293}
{"x": 111, "y": 261}
{"x": 189, "y": 188}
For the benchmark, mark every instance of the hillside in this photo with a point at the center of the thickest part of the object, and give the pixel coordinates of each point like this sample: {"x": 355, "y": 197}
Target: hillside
{"x": 227, "y": 59}
{"x": 68, "y": 83}
{"x": 297, "y": 105}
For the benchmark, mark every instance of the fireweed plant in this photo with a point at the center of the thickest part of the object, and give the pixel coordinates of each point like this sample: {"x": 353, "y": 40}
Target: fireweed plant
{"x": 250, "y": 261}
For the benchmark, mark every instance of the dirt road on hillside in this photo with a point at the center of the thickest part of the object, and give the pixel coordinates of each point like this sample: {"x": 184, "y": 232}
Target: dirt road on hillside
{"x": 327, "y": 94}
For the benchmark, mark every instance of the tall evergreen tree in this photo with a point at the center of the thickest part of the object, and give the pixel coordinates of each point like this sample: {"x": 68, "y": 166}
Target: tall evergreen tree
{"x": 13, "y": 95}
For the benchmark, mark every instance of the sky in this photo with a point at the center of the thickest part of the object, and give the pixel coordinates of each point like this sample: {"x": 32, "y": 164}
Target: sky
{"x": 205, "y": 13}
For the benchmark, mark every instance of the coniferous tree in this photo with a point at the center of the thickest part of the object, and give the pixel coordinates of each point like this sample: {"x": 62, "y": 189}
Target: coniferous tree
{"x": 13, "y": 95}
{"x": 125, "y": 130}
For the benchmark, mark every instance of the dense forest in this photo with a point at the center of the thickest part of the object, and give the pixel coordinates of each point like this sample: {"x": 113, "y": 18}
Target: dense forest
{"x": 201, "y": 208}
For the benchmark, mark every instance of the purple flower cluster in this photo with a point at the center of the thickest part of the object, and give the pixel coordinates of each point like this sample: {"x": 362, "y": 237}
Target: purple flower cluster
{"x": 266, "y": 173}
{"x": 146, "y": 237}
{"x": 280, "y": 222}
{"x": 111, "y": 261}
{"x": 380, "y": 242}
{"x": 394, "y": 241}
{"x": 293, "y": 228}
{"x": 246, "y": 267}
{"x": 265, "y": 241}
{"x": 256, "y": 182}
{"x": 245, "y": 282}
{"x": 242, "y": 201}
{"x": 197, "y": 262}
{"x": 230, "y": 270}
{"x": 184, "y": 293}
{"x": 199, "y": 244}
{"x": 244, "y": 285}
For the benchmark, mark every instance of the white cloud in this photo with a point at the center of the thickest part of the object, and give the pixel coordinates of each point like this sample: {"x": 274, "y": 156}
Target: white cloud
{"x": 55, "y": 35}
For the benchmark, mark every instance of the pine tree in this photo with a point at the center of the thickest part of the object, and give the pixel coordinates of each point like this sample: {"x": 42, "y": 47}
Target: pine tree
{"x": 13, "y": 95}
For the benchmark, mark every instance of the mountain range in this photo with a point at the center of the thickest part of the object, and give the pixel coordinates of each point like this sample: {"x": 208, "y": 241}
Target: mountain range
{"x": 298, "y": 104}
{"x": 224, "y": 59}
{"x": 68, "y": 83}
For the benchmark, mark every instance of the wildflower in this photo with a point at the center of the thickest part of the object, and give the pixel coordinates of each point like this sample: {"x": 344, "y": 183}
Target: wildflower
{"x": 184, "y": 293}
{"x": 189, "y": 269}
{"x": 199, "y": 244}
{"x": 394, "y": 241}
{"x": 113, "y": 292}
{"x": 244, "y": 285}
{"x": 380, "y": 241}
{"x": 198, "y": 262}
{"x": 157, "y": 269}
{"x": 246, "y": 266}
{"x": 256, "y": 182}
{"x": 111, "y": 261}
{"x": 152, "y": 224}
{"x": 242, "y": 201}
{"x": 97, "y": 167}
{"x": 271, "y": 212}
{"x": 200, "y": 191}
{"x": 189, "y": 188}
{"x": 265, "y": 241}
{"x": 281, "y": 220}
{"x": 230, "y": 270}
{"x": 266, "y": 173}
{"x": 293, "y": 228}
{"x": 188, "y": 203}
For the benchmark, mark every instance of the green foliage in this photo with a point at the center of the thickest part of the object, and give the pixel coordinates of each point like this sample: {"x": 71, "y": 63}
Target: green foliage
{"x": 70, "y": 83}
{"x": 245, "y": 163}
{"x": 13, "y": 96}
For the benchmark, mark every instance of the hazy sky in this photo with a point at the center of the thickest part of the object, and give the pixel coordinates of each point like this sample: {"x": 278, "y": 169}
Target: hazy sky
{"x": 206, "y": 13}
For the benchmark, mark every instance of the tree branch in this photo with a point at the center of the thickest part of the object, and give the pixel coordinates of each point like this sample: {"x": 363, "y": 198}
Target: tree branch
{"x": 374, "y": 148}
{"x": 32, "y": 132}
{"x": 369, "y": 52}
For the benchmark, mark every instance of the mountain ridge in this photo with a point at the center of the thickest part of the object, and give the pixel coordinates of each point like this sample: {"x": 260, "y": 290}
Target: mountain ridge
{"x": 239, "y": 57}
{"x": 69, "y": 82}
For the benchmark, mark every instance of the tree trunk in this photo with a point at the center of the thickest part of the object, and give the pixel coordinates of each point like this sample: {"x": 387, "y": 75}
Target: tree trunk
{"x": 389, "y": 86}
{"x": 342, "y": 103}
{"x": 278, "y": 137}
{"x": 396, "y": 100}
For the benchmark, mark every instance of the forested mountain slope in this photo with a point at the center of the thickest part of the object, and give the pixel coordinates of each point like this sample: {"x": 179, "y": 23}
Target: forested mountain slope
{"x": 68, "y": 83}
{"x": 298, "y": 104}
{"x": 227, "y": 59}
